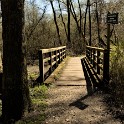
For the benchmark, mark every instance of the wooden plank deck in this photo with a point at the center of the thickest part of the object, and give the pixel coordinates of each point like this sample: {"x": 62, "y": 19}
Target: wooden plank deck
{"x": 69, "y": 103}
{"x": 72, "y": 74}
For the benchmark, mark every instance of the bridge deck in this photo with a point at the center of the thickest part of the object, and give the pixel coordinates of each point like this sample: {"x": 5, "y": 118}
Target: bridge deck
{"x": 72, "y": 74}
{"x": 68, "y": 102}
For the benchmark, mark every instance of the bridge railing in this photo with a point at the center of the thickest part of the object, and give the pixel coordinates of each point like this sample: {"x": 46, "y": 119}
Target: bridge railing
{"x": 98, "y": 58}
{"x": 49, "y": 59}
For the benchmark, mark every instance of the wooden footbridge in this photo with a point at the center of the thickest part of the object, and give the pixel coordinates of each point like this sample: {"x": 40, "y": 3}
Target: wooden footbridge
{"x": 95, "y": 65}
{"x": 73, "y": 99}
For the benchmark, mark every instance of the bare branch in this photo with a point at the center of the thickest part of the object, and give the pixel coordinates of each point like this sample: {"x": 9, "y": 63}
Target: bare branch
{"x": 34, "y": 27}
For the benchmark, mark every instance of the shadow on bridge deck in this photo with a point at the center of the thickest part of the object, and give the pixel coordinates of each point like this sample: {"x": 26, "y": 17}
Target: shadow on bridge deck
{"x": 75, "y": 74}
{"x": 93, "y": 81}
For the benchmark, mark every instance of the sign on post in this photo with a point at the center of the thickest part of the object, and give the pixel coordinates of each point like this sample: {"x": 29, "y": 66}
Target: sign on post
{"x": 112, "y": 18}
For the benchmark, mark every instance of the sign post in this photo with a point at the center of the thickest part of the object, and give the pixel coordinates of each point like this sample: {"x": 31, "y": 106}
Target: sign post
{"x": 107, "y": 55}
{"x": 111, "y": 19}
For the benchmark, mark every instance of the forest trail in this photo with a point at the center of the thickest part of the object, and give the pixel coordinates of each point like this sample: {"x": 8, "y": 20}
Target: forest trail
{"x": 69, "y": 103}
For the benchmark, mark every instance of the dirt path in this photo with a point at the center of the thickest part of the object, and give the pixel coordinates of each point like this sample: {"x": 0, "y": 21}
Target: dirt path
{"x": 68, "y": 102}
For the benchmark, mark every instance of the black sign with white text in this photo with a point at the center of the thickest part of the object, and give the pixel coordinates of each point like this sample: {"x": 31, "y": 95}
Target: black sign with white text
{"x": 112, "y": 18}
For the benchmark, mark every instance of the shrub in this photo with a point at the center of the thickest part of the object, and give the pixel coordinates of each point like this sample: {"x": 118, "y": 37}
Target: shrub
{"x": 117, "y": 74}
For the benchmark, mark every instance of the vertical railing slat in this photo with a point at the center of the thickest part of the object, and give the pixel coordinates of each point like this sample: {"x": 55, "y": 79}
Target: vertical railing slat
{"x": 98, "y": 62}
{"x": 50, "y": 62}
{"x": 94, "y": 58}
{"x": 59, "y": 56}
{"x": 41, "y": 66}
{"x": 56, "y": 59}
{"x": 104, "y": 72}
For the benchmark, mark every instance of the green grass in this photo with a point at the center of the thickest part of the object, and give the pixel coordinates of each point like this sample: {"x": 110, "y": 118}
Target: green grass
{"x": 36, "y": 116}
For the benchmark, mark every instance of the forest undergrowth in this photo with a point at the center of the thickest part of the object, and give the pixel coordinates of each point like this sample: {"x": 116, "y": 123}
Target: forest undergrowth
{"x": 36, "y": 115}
{"x": 116, "y": 99}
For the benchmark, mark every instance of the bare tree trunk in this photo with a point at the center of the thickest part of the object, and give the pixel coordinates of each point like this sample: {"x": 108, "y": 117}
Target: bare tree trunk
{"x": 75, "y": 16}
{"x": 62, "y": 19}
{"x": 80, "y": 16}
{"x": 89, "y": 23}
{"x": 69, "y": 37}
{"x": 97, "y": 17}
{"x": 57, "y": 28}
{"x": 35, "y": 25}
{"x": 85, "y": 24}
{"x": 15, "y": 95}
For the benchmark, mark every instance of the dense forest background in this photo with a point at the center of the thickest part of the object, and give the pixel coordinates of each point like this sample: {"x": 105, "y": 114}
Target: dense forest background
{"x": 50, "y": 29}
{"x": 45, "y": 30}
{"x": 76, "y": 24}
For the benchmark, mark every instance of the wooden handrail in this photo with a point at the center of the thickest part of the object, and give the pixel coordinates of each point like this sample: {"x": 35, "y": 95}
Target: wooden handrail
{"x": 49, "y": 59}
{"x": 95, "y": 48}
{"x": 98, "y": 58}
{"x": 52, "y": 49}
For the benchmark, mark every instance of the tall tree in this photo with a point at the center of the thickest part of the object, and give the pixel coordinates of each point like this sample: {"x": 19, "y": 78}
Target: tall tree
{"x": 73, "y": 12}
{"x": 68, "y": 25}
{"x": 89, "y": 23}
{"x": 64, "y": 25}
{"x": 85, "y": 21}
{"x": 15, "y": 95}
{"x": 55, "y": 20}
{"x": 80, "y": 11}
{"x": 98, "y": 25}
{"x": 32, "y": 29}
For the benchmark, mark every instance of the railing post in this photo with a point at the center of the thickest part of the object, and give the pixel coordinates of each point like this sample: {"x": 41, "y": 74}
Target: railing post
{"x": 56, "y": 58}
{"x": 65, "y": 52}
{"x": 59, "y": 56}
{"x": 106, "y": 67}
{"x": 94, "y": 58}
{"x": 98, "y": 62}
{"x": 41, "y": 66}
{"x": 90, "y": 56}
{"x": 86, "y": 52}
{"x": 62, "y": 54}
{"x": 50, "y": 62}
